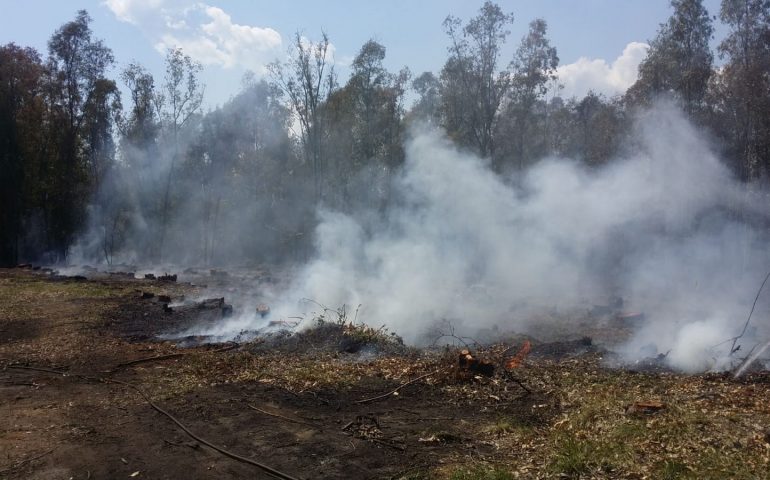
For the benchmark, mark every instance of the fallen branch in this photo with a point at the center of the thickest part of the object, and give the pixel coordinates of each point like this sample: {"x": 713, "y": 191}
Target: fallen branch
{"x": 513, "y": 378}
{"x": 750, "y": 358}
{"x": 744, "y": 361}
{"x": 148, "y": 359}
{"x": 385, "y": 395}
{"x": 170, "y": 355}
{"x": 348, "y": 425}
{"x": 394, "y": 446}
{"x": 276, "y": 415}
{"x": 227, "y": 453}
{"x": 359, "y": 420}
{"x": 45, "y": 370}
{"x": 746, "y": 325}
{"x": 23, "y": 462}
{"x": 182, "y": 444}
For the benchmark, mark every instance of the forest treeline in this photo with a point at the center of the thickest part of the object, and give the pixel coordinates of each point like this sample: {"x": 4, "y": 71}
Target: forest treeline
{"x": 149, "y": 176}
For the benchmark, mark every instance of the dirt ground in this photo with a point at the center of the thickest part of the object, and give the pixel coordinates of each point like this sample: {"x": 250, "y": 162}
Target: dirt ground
{"x": 307, "y": 411}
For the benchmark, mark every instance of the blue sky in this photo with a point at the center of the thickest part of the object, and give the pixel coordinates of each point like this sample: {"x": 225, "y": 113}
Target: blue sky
{"x": 599, "y": 42}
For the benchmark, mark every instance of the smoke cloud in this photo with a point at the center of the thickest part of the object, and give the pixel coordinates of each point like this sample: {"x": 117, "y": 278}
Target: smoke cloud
{"x": 666, "y": 228}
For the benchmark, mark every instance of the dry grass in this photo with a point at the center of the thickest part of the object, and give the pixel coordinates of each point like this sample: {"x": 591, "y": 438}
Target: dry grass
{"x": 574, "y": 426}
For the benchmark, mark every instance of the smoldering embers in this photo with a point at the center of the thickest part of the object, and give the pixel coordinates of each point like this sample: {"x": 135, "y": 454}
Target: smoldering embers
{"x": 666, "y": 227}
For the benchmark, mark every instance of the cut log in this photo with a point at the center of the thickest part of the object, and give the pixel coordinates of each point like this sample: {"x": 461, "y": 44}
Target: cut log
{"x": 645, "y": 408}
{"x": 218, "y": 273}
{"x": 212, "y": 303}
{"x": 122, "y": 274}
{"x": 466, "y": 361}
{"x": 263, "y": 310}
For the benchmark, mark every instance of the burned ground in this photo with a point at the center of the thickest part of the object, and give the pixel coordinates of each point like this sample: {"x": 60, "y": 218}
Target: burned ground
{"x": 303, "y": 404}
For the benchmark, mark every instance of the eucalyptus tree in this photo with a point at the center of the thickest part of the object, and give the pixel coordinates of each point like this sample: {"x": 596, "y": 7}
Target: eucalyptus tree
{"x": 679, "y": 61}
{"x": 599, "y": 127}
{"x": 524, "y": 119}
{"x": 428, "y": 104}
{"x": 473, "y": 84}
{"x": 364, "y": 129}
{"x": 374, "y": 99}
{"x": 178, "y": 99}
{"x": 367, "y": 82}
{"x": 139, "y": 125}
{"x": 21, "y": 116}
{"x": 743, "y": 85}
{"x": 237, "y": 173}
{"x": 377, "y": 95}
{"x": 307, "y": 78}
{"x": 82, "y": 102}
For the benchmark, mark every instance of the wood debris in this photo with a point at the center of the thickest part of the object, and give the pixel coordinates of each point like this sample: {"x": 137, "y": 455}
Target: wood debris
{"x": 263, "y": 310}
{"x": 645, "y": 408}
{"x": 468, "y": 363}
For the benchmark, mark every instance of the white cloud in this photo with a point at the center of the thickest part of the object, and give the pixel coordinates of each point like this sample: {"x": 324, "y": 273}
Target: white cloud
{"x": 596, "y": 74}
{"x": 238, "y": 43}
{"x": 206, "y": 33}
{"x": 131, "y": 10}
{"x": 202, "y": 49}
{"x": 213, "y": 39}
{"x": 175, "y": 23}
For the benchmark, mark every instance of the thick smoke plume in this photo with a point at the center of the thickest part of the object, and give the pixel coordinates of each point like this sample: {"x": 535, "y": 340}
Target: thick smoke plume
{"x": 666, "y": 228}
{"x": 219, "y": 197}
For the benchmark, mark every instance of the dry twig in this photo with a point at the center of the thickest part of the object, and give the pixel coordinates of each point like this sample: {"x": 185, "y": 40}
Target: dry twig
{"x": 276, "y": 415}
{"x": 735, "y": 339}
{"x": 385, "y": 395}
{"x": 149, "y": 359}
{"x": 227, "y": 453}
{"x": 451, "y": 334}
{"x": 385, "y": 443}
{"x": 510, "y": 376}
{"x": 20, "y": 464}
{"x": 171, "y": 355}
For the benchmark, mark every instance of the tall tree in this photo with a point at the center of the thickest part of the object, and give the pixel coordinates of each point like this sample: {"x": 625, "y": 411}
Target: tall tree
{"x": 178, "y": 100}
{"x": 369, "y": 78}
{"x": 377, "y": 100}
{"x": 427, "y": 106}
{"x": 78, "y": 89}
{"x": 679, "y": 60}
{"x": 525, "y": 120}
{"x": 21, "y": 112}
{"x": 102, "y": 110}
{"x": 473, "y": 85}
{"x": 743, "y": 85}
{"x": 239, "y": 168}
{"x": 365, "y": 124}
{"x": 307, "y": 79}
{"x": 598, "y": 127}
{"x": 140, "y": 125}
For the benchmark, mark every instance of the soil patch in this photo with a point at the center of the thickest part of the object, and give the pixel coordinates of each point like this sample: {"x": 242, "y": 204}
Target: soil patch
{"x": 337, "y": 402}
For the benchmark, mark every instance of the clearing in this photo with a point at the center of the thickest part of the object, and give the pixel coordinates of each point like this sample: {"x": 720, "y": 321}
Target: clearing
{"x": 305, "y": 407}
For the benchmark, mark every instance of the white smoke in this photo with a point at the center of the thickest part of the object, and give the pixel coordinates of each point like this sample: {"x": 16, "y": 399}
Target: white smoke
{"x": 667, "y": 228}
